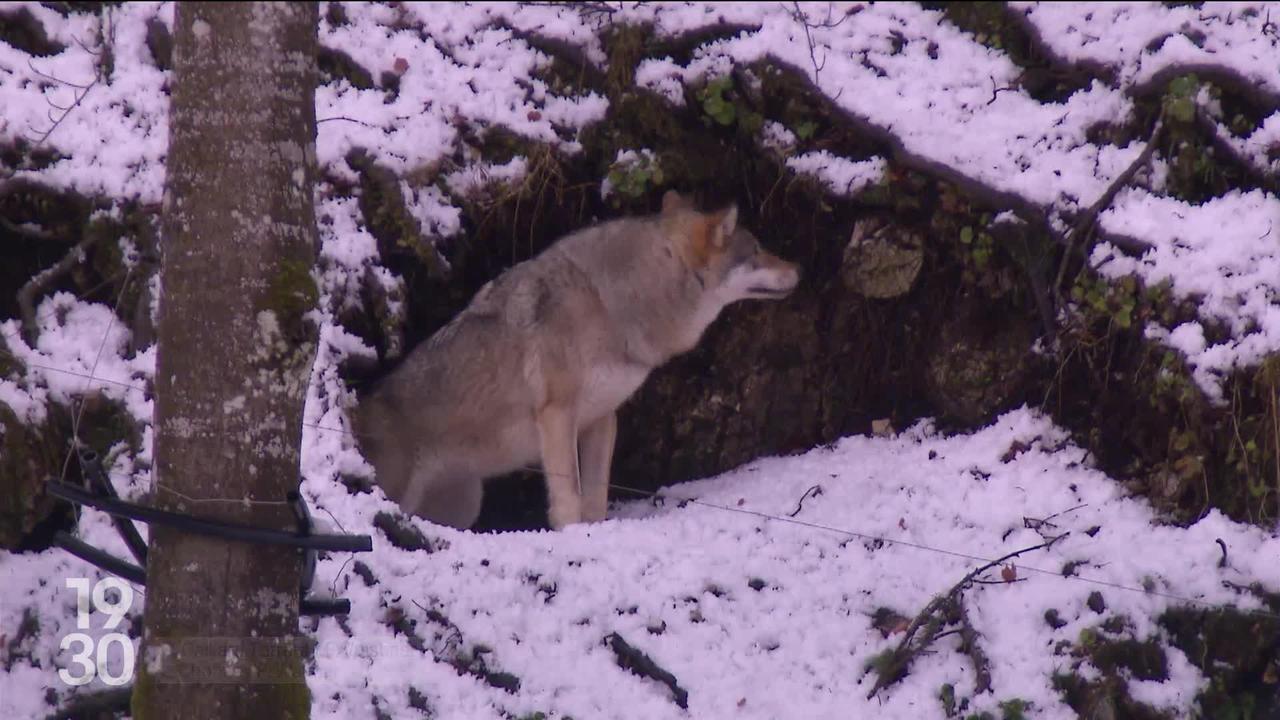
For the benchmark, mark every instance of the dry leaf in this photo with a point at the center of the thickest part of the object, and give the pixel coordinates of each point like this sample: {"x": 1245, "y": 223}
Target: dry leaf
{"x": 1009, "y": 573}
{"x": 400, "y": 66}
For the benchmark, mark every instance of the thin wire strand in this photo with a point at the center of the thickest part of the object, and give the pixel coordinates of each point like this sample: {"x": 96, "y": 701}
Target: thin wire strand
{"x": 941, "y": 551}
{"x": 74, "y": 373}
{"x": 79, "y": 414}
{"x": 232, "y": 501}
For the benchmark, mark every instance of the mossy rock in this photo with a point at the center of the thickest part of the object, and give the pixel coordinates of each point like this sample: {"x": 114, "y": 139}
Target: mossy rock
{"x": 882, "y": 261}
{"x": 980, "y": 364}
{"x": 28, "y": 457}
{"x": 1239, "y": 652}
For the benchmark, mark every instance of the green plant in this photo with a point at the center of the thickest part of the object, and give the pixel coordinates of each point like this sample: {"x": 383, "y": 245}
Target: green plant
{"x": 633, "y": 173}
{"x": 715, "y": 101}
{"x": 1180, "y": 98}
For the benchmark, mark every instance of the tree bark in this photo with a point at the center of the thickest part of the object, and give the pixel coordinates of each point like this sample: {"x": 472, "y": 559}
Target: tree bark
{"x": 234, "y": 357}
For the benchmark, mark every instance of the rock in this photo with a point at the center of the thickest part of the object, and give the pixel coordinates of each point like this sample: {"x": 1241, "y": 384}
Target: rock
{"x": 979, "y": 365}
{"x": 881, "y": 260}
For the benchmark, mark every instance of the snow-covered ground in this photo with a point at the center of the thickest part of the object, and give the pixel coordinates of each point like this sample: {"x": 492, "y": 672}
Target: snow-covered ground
{"x": 754, "y": 617}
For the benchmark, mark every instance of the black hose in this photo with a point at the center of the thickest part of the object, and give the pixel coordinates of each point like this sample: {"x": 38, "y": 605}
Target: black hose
{"x": 138, "y": 576}
{"x": 98, "y": 477}
{"x": 205, "y": 526}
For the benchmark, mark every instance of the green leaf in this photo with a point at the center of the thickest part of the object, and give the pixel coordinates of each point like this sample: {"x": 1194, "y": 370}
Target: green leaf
{"x": 1184, "y": 86}
{"x": 1182, "y": 109}
{"x": 966, "y": 235}
{"x": 1124, "y": 318}
{"x": 947, "y": 694}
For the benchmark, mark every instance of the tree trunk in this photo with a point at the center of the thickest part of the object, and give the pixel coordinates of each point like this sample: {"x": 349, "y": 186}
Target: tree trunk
{"x": 234, "y": 357}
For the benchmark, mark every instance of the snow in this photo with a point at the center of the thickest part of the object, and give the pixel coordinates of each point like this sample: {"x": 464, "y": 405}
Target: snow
{"x": 755, "y": 612}
{"x": 797, "y": 646}
{"x": 80, "y": 347}
{"x": 113, "y": 143}
{"x": 1224, "y": 252}
{"x": 1142, "y": 39}
{"x": 841, "y": 176}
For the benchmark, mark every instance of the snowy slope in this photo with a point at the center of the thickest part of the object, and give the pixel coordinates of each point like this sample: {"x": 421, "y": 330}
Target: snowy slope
{"x": 755, "y": 617}
{"x": 768, "y": 618}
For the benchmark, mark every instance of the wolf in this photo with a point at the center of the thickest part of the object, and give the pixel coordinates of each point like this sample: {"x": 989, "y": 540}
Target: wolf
{"x": 538, "y": 363}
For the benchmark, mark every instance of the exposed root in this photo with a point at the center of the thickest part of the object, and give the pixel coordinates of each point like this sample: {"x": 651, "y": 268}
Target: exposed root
{"x": 38, "y": 284}
{"x": 629, "y": 658}
{"x": 1076, "y": 241}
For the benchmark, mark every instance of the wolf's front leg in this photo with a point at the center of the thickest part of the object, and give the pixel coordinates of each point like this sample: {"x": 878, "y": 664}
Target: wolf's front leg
{"x": 559, "y": 440}
{"x": 595, "y": 453}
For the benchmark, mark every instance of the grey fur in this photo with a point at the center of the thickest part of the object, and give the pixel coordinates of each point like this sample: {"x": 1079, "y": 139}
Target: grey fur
{"x": 536, "y": 366}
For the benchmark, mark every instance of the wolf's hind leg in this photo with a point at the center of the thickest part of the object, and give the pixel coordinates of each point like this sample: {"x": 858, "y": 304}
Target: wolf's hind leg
{"x": 595, "y": 453}
{"x": 559, "y": 444}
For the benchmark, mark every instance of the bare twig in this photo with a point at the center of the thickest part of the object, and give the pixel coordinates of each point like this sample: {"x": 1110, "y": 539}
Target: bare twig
{"x": 81, "y": 92}
{"x": 51, "y": 78}
{"x": 813, "y": 491}
{"x": 809, "y": 26}
{"x": 588, "y": 10}
{"x": 348, "y": 119}
{"x": 996, "y": 90}
{"x": 941, "y": 610}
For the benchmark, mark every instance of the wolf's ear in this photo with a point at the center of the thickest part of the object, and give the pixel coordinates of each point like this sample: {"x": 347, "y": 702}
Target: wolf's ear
{"x": 671, "y": 202}
{"x": 726, "y": 221}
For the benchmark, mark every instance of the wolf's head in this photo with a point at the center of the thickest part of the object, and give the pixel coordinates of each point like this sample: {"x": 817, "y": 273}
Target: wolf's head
{"x": 727, "y": 259}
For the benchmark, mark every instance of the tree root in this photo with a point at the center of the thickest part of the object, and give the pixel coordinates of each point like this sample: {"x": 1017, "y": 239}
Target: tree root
{"x": 1077, "y": 241}
{"x": 632, "y": 659}
{"x": 38, "y": 284}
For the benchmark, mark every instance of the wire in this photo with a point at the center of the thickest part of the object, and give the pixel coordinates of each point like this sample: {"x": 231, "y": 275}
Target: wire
{"x": 75, "y": 419}
{"x": 942, "y": 551}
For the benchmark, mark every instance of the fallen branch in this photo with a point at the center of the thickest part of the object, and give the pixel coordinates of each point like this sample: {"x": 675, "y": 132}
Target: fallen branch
{"x": 631, "y": 659}
{"x": 971, "y": 647}
{"x": 941, "y": 611}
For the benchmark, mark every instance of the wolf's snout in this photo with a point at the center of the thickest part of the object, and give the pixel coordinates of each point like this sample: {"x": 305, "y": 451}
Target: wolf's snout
{"x": 791, "y": 278}
{"x": 782, "y": 279}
